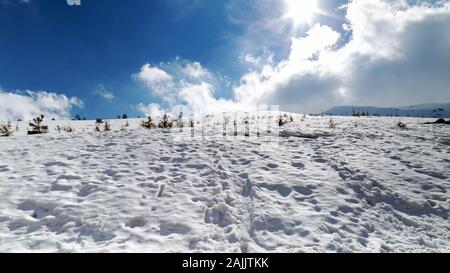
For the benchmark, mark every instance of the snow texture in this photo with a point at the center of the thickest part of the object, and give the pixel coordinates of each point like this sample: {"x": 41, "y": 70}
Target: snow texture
{"x": 365, "y": 186}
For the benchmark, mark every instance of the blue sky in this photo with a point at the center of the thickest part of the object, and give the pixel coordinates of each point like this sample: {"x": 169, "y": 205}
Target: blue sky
{"x": 231, "y": 54}
{"x": 75, "y": 49}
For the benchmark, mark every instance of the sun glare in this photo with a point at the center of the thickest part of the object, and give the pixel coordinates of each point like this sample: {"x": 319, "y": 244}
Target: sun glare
{"x": 301, "y": 11}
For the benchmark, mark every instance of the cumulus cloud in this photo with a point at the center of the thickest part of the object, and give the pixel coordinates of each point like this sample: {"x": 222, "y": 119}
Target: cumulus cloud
{"x": 397, "y": 53}
{"x": 158, "y": 81}
{"x": 153, "y": 110}
{"x": 28, "y": 104}
{"x": 183, "y": 83}
{"x": 402, "y": 56}
{"x": 196, "y": 71}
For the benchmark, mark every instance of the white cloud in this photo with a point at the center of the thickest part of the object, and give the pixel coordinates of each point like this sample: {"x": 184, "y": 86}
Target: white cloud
{"x": 183, "y": 83}
{"x": 257, "y": 61}
{"x": 153, "y": 75}
{"x": 158, "y": 81}
{"x": 103, "y": 92}
{"x": 397, "y": 54}
{"x": 153, "y": 110}
{"x": 196, "y": 71}
{"x": 29, "y": 104}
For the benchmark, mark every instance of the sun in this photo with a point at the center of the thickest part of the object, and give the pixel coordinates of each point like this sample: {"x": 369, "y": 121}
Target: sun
{"x": 301, "y": 11}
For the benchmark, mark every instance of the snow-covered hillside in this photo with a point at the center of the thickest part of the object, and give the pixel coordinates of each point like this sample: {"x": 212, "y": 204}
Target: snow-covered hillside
{"x": 434, "y": 110}
{"x": 364, "y": 186}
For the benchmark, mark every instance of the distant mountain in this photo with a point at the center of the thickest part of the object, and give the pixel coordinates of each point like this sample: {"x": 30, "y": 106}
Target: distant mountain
{"x": 429, "y": 110}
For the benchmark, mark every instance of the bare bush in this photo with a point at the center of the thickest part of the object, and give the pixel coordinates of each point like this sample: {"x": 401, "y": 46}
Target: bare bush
{"x": 179, "y": 121}
{"x": 6, "y": 129}
{"x": 68, "y": 129}
{"x": 148, "y": 123}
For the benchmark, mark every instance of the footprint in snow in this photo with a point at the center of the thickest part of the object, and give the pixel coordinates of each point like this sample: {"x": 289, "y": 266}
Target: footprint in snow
{"x": 298, "y": 165}
{"x": 56, "y": 163}
{"x": 4, "y": 168}
{"x": 320, "y": 160}
{"x": 168, "y": 228}
{"x": 135, "y": 222}
{"x": 303, "y": 190}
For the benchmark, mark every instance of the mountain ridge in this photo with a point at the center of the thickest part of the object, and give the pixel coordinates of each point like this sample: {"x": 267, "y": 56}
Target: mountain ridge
{"x": 426, "y": 110}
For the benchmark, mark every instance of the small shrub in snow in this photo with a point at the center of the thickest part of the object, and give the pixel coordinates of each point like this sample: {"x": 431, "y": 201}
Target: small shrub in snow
{"x": 37, "y": 127}
{"x": 355, "y": 114}
{"x": 331, "y": 124}
{"x": 98, "y": 124}
{"x": 68, "y": 129}
{"x": 401, "y": 125}
{"x": 282, "y": 120}
{"x": 106, "y": 126}
{"x": 179, "y": 121}
{"x": 226, "y": 120}
{"x": 245, "y": 120}
{"x": 148, "y": 123}
{"x": 247, "y": 126}
{"x": 102, "y": 126}
{"x": 6, "y": 129}
{"x": 165, "y": 122}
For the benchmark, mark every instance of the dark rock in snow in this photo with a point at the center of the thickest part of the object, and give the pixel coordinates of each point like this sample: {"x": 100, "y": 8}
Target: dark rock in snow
{"x": 439, "y": 121}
